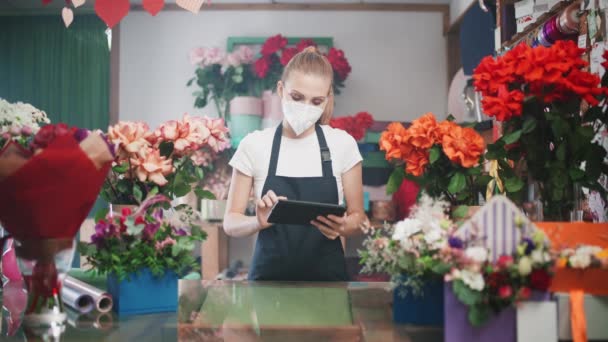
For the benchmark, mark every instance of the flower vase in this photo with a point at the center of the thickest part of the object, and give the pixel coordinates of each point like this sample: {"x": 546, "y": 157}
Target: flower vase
{"x": 273, "y": 112}
{"x": 143, "y": 293}
{"x": 425, "y": 309}
{"x": 245, "y": 117}
{"x": 44, "y": 264}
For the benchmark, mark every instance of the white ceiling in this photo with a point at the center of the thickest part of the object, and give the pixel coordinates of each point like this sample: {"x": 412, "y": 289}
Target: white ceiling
{"x": 37, "y": 4}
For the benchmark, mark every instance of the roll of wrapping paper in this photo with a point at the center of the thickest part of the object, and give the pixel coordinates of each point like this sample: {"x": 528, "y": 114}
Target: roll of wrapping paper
{"x": 568, "y": 20}
{"x": 102, "y": 300}
{"x": 80, "y": 302}
{"x": 92, "y": 320}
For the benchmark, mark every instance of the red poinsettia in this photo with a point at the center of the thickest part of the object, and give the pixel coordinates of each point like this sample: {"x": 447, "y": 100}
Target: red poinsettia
{"x": 356, "y": 125}
{"x": 287, "y": 55}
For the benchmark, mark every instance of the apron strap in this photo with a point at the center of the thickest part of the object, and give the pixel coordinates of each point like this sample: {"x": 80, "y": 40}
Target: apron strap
{"x": 325, "y": 153}
{"x": 324, "y": 149}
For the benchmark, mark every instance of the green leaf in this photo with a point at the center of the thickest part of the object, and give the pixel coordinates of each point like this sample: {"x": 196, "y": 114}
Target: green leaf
{"x": 483, "y": 180}
{"x": 560, "y": 153}
{"x": 121, "y": 168}
{"x": 181, "y": 189}
{"x": 478, "y": 315}
{"x": 441, "y": 268}
{"x": 395, "y": 180}
{"x": 586, "y": 131}
{"x": 557, "y": 194}
{"x": 529, "y": 125}
{"x": 434, "y": 154}
{"x": 101, "y": 214}
{"x": 460, "y": 212}
{"x": 450, "y": 118}
{"x": 407, "y": 262}
{"x": 474, "y": 171}
{"x": 166, "y": 148}
{"x": 237, "y": 78}
{"x": 514, "y": 184}
{"x": 153, "y": 192}
{"x": 137, "y": 193}
{"x": 199, "y": 172}
{"x": 465, "y": 294}
{"x": 190, "y": 81}
{"x": 204, "y": 194}
{"x": 457, "y": 183}
{"x": 576, "y": 173}
{"x": 175, "y": 249}
{"x": 512, "y": 137}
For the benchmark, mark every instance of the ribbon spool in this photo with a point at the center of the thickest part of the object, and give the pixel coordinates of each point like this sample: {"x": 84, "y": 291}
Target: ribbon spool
{"x": 568, "y": 20}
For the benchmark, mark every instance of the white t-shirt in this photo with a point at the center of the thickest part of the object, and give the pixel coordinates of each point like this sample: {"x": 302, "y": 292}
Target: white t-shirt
{"x": 299, "y": 157}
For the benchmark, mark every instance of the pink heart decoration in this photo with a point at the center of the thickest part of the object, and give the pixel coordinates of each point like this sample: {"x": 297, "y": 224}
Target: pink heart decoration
{"x": 112, "y": 11}
{"x": 78, "y": 3}
{"x": 10, "y": 269}
{"x": 68, "y": 16}
{"x": 153, "y": 6}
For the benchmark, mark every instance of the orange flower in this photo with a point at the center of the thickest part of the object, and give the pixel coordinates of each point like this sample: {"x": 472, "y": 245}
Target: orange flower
{"x": 424, "y": 131}
{"x": 562, "y": 262}
{"x": 416, "y": 161}
{"x": 603, "y": 254}
{"x": 463, "y": 146}
{"x": 393, "y": 141}
{"x": 445, "y": 127}
{"x": 151, "y": 166}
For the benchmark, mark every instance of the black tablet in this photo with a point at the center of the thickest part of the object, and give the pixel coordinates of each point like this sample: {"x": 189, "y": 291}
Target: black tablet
{"x": 300, "y": 212}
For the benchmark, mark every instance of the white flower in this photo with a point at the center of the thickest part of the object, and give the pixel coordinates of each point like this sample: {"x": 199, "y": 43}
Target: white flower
{"x": 580, "y": 260}
{"x": 434, "y": 238}
{"x": 406, "y": 228}
{"x": 473, "y": 280}
{"x": 525, "y": 266}
{"x": 477, "y": 254}
{"x": 540, "y": 257}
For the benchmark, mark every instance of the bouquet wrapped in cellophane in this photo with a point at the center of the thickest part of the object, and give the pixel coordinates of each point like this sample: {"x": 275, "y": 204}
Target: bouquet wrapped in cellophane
{"x": 48, "y": 187}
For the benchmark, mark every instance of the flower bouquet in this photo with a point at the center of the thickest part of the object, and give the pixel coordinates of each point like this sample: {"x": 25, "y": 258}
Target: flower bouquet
{"x": 276, "y": 53}
{"x": 48, "y": 190}
{"x": 443, "y": 158}
{"x": 550, "y": 108}
{"x": 143, "y": 244}
{"x": 164, "y": 161}
{"x": 356, "y": 125}
{"x": 222, "y": 77}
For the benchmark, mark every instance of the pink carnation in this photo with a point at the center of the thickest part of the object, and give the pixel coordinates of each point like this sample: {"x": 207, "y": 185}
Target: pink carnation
{"x": 166, "y": 242}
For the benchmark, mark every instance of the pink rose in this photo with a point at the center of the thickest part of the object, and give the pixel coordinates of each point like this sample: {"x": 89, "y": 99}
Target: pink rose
{"x": 214, "y": 56}
{"x": 129, "y": 136}
{"x": 505, "y": 291}
{"x": 151, "y": 166}
{"x": 245, "y": 54}
{"x": 218, "y": 138}
{"x": 197, "y": 56}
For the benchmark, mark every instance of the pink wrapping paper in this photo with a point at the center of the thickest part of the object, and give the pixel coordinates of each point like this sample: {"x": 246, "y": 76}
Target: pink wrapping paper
{"x": 272, "y": 106}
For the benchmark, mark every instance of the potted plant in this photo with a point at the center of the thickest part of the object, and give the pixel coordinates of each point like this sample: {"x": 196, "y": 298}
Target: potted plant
{"x": 143, "y": 254}
{"x": 227, "y": 80}
{"x": 161, "y": 161}
{"x": 443, "y": 158}
{"x": 550, "y": 109}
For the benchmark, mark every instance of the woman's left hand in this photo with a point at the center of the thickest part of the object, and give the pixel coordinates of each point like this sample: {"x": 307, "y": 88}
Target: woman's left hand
{"x": 331, "y": 226}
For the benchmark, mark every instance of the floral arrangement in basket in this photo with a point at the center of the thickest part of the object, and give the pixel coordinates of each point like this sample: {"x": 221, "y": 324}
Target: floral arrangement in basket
{"x": 550, "y": 108}
{"x": 221, "y": 77}
{"x": 444, "y": 158}
{"x": 19, "y": 122}
{"x": 487, "y": 287}
{"x": 127, "y": 243}
{"x": 164, "y": 161}
{"x": 410, "y": 250}
{"x": 583, "y": 257}
{"x": 356, "y": 125}
{"x": 275, "y": 55}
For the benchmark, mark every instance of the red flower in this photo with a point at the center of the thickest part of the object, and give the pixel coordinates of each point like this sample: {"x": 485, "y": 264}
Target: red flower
{"x": 583, "y": 84}
{"x": 524, "y": 293}
{"x": 505, "y": 105}
{"x": 496, "y": 280}
{"x": 364, "y": 119}
{"x": 605, "y": 57}
{"x": 287, "y": 55}
{"x": 505, "y": 291}
{"x": 273, "y": 44}
{"x": 339, "y": 63}
{"x": 540, "y": 280}
{"x": 140, "y": 220}
{"x": 126, "y": 211}
{"x": 261, "y": 67}
{"x": 304, "y": 43}
{"x": 505, "y": 261}
{"x": 47, "y": 133}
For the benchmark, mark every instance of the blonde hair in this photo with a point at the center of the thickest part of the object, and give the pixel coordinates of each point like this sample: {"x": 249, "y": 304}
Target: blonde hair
{"x": 311, "y": 61}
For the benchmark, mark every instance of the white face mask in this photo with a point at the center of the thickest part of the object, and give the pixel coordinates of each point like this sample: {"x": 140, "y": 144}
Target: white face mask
{"x": 301, "y": 116}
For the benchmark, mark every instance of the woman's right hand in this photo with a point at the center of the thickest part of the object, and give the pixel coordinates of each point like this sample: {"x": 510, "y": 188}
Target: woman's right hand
{"x": 264, "y": 207}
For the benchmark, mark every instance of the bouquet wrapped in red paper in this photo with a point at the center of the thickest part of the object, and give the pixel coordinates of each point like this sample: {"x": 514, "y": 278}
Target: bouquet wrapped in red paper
{"x": 48, "y": 188}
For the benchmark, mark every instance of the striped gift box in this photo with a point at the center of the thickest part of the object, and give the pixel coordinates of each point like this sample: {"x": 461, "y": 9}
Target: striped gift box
{"x": 191, "y": 5}
{"x": 496, "y": 224}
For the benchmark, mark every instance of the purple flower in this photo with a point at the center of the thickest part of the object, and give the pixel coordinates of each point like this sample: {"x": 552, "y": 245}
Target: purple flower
{"x": 455, "y": 242}
{"x": 180, "y": 232}
{"x": 81, "y": 134}
{"x": 158, "y": 215}
{"x": 150, "y": 229}
{"x": 529, "y": 245}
